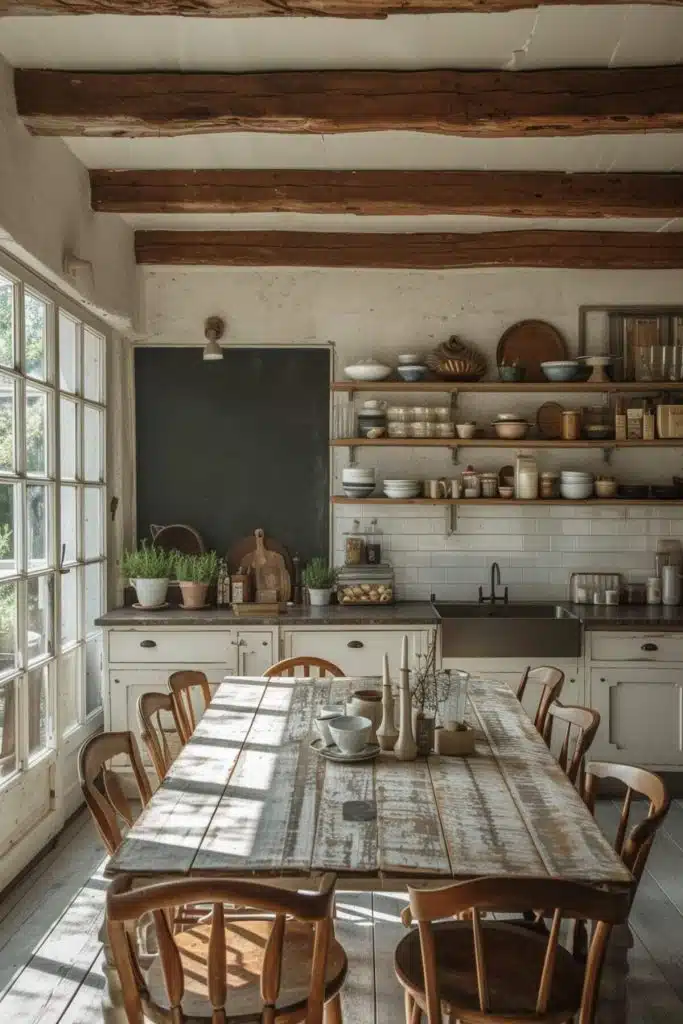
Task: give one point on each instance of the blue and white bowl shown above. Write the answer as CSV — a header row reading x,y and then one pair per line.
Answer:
x,y
410,374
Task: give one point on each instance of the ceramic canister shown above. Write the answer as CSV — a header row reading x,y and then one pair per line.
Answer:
x,y
367,703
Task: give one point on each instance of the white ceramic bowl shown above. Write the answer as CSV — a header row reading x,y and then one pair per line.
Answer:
x,y
409,359
350,732
465,430
511,430
577,491
502,417
367,369
355,475
575,476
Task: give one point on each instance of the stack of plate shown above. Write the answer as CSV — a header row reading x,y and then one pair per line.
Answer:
x,y
576,484
398,488
357,482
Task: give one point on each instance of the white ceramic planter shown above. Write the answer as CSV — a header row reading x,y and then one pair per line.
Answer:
x,y
320,597
151,593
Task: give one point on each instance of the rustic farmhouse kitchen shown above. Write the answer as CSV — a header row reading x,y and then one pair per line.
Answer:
x,y
341,512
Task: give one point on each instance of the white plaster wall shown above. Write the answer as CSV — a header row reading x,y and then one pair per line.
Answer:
x,y
383,313
45,208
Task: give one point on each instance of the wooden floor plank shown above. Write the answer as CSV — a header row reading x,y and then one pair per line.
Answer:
x,y
86,1006
673,825
353,928
44,895
654,919
45,988
387,933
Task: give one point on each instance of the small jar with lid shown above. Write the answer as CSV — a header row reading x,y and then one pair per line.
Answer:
x,y
654,590
354,545
571,425
549,485
471,483
489,485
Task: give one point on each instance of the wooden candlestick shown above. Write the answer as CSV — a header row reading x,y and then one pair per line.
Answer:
x,y
406,748
387,734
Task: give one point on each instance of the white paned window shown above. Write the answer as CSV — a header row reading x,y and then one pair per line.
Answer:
x,y
52,526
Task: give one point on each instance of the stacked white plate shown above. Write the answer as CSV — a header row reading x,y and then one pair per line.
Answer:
x,y
400,488
357,482
576,484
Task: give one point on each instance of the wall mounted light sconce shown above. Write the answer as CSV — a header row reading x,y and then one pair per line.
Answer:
x,y
214,329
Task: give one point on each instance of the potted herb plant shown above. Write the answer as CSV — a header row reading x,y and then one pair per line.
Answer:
x,y
149,570
319,578
195,573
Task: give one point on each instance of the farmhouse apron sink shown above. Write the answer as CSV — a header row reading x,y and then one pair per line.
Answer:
x,y
516,630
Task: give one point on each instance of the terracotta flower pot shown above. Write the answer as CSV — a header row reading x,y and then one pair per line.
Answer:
x,y
194,594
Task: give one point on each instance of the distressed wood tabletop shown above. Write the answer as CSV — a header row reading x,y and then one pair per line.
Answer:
x,y
248,796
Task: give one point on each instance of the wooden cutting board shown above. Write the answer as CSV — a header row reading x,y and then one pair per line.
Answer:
x,y
268,566
530,343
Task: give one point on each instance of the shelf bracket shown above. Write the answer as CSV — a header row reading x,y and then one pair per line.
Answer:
x,y
352,455
453,404
607,454
451,519
455,454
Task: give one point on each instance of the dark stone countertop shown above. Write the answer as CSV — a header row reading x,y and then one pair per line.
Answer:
x,y
630,616
404,613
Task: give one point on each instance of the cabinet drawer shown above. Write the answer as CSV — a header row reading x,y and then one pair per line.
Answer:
x,y
636,647
357,652
171,646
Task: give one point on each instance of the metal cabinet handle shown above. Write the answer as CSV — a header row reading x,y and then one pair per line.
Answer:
x,y
355,643
602,679
649,647
148,643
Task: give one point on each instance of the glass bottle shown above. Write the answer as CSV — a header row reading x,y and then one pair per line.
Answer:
x,y
373,544
354,545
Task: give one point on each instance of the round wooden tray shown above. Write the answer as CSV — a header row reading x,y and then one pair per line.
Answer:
x,y
530,343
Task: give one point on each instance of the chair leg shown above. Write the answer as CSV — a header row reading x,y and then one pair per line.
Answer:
x,y
413,1011
333,1011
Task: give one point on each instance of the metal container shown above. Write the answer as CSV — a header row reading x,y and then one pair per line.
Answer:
x,y
571,425
671,584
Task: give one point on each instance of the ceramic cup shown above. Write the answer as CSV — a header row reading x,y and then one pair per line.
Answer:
x,y
367,703
434,489
323,727
351,733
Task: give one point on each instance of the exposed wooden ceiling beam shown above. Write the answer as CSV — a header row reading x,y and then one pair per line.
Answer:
x,y
594,250
280,8
486,193
487,103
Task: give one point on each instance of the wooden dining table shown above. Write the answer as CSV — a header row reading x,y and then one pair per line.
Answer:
x,y
249,796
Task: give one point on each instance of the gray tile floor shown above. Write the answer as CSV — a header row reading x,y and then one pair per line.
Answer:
x,y
49,950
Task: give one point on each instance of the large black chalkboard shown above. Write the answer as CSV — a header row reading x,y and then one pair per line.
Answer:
x,y
230,446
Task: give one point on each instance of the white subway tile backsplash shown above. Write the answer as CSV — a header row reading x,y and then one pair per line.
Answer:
x,y
537,547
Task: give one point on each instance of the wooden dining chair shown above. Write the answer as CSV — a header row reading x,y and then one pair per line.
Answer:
x,y
290,667
633,846
551,681
487,970
579,728
154,735
183,685
102,788
280,965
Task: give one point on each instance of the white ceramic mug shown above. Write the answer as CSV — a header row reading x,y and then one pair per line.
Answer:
x,y
367,704
434,488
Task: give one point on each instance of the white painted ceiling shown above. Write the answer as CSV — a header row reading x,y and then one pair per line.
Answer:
x,y
566,36
598,36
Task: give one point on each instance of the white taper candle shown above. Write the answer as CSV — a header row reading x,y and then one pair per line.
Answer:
x,y
404,652
385,670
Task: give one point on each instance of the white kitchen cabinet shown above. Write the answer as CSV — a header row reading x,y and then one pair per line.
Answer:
x,y
255,652
641,712
357,651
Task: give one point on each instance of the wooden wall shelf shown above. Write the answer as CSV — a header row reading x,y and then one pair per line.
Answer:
x,y
493,442
495,386
502,502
